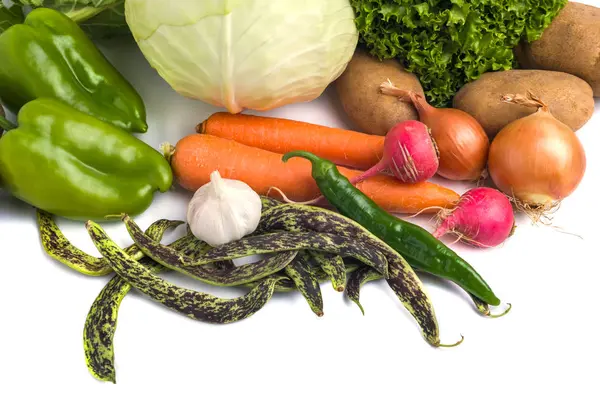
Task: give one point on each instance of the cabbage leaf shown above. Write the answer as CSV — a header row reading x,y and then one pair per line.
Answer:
x,y
448,43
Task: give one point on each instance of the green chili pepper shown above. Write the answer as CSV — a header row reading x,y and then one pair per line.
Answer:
x,y
418,246
73,165
306,282
50,56
356,280
195,305
255,245
333,266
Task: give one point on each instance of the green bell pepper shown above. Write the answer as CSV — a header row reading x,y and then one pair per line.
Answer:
x,y
49,55
73,165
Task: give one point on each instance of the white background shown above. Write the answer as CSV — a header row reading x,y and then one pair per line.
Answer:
x,y
546,347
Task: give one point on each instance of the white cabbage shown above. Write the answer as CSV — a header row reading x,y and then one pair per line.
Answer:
x,y
245,54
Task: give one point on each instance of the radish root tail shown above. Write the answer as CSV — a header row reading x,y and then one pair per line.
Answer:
x,y
561,230
425,210
465,239
288,200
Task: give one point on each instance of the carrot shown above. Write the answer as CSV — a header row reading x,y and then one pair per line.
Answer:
x,y
195,156
343,147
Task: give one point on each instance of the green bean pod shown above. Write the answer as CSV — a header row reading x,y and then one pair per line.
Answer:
x,y
193,304
287,285
401,277
61,249
232,275
299,271
101,322
99,329
355,282
418,246
192,247
255,245
333,266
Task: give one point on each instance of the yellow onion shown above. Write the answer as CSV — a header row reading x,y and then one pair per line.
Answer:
x,y
461,141
537,160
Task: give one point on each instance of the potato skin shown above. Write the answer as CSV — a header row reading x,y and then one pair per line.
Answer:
x,y
570,44
569,98
358,90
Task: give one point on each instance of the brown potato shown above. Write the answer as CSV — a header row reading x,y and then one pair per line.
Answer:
x,y
569,98
570,44
358,91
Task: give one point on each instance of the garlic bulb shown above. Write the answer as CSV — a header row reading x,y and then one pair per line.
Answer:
x,y
223,210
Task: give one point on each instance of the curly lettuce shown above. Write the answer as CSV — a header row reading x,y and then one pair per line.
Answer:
x,y
448,43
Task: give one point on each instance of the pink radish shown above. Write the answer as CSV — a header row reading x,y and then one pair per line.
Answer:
x,y
483,217
409,152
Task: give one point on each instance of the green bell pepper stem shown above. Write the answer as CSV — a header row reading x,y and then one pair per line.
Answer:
x,y
6,124
73,165
50,56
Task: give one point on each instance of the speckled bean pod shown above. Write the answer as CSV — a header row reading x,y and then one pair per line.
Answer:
x,y
58,247
401,277
101,322
333,266
356,280
305,280
255,245
195,305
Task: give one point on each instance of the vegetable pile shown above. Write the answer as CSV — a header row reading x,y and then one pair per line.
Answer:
x,y
312,203
303,245
449,43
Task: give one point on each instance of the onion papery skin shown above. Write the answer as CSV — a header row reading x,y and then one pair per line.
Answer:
x,y
462,143
537,160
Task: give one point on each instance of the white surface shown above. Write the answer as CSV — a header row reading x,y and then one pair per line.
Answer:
x,y
546,347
